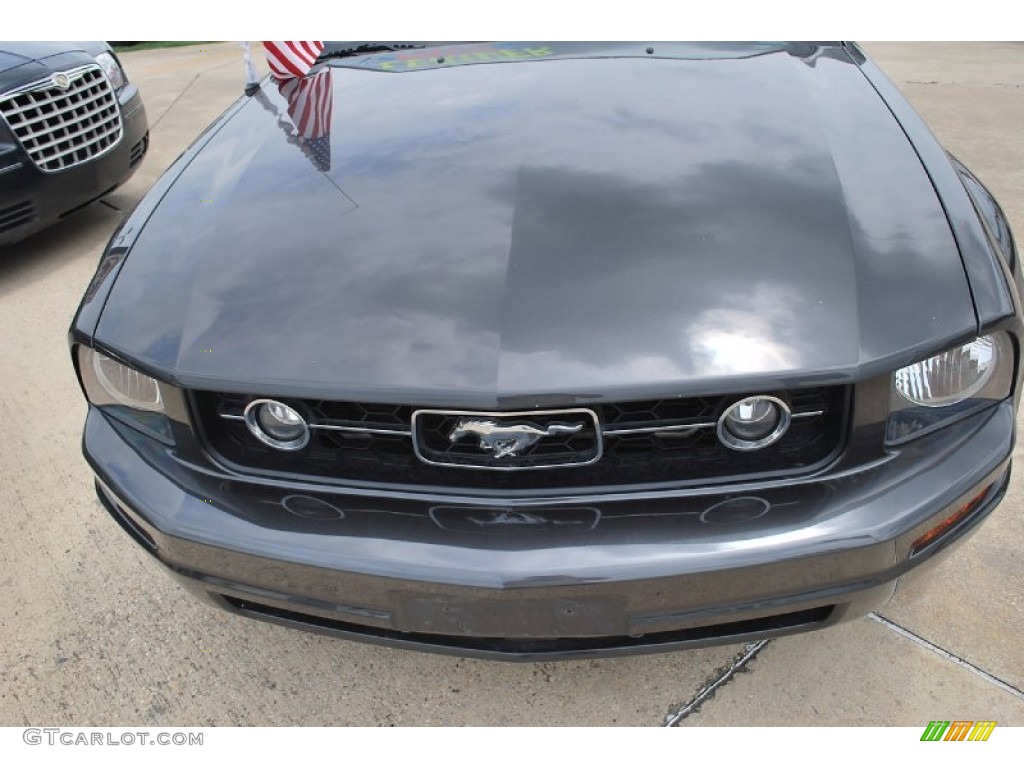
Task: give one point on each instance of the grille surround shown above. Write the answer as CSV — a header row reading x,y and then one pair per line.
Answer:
x,y
370,445
433,445
60,128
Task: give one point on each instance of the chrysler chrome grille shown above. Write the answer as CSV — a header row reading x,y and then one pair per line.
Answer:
x,y
62,127
667,441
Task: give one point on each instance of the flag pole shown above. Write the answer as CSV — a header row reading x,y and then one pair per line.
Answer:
x,y
252,80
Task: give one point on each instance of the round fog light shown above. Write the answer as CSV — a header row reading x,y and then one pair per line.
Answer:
x,y
277,425
753,423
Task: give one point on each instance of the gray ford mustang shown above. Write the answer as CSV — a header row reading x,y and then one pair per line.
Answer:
x,y
528,350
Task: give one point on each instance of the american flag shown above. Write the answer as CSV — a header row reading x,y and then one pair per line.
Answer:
x,y
291,58
310,105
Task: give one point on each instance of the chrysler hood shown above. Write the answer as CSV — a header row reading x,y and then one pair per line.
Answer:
x,y
543,230
45,56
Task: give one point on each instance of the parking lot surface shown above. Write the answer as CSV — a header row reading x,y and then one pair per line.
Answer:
x,y
93,632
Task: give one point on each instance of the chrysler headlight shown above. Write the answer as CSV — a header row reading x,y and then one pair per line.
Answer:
x,y
112,70
950,385
119,390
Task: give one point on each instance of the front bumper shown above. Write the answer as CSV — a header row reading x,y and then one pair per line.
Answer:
x,y
553,578
31,200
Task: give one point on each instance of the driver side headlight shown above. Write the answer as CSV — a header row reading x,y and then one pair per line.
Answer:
x,y
950,385
126,394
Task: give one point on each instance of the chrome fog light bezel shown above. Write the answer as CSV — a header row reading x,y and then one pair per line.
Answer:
x,y
730,440
252,421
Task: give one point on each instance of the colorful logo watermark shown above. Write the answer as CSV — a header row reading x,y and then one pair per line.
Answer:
x,y
958,730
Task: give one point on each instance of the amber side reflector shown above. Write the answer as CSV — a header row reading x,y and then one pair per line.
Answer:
x,y
930,536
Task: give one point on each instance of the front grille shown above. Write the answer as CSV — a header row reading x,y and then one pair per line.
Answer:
x,y
17,215
60,128
669,441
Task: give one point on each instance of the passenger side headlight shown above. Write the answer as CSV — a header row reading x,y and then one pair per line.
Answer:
x,y
123,392
950,385
112,70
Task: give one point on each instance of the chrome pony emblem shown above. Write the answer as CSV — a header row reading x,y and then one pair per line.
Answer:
x,y
61,80
507,440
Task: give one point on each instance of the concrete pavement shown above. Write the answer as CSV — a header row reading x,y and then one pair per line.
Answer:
x,y
93,632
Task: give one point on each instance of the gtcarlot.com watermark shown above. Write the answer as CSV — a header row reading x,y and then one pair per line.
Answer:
x,y
81,737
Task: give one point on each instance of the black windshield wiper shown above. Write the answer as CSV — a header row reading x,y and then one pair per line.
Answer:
x,y
363,48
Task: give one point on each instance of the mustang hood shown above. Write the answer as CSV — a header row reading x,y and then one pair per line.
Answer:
x,y
528,231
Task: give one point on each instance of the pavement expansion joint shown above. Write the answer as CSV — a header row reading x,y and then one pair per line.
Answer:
x,y
173,103
718,678
1010,689
943,82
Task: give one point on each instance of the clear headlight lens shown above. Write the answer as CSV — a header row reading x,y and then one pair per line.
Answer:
x,y
950,385
128,395
112,70
949,377
126,385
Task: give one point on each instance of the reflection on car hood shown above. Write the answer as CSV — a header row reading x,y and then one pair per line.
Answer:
x,y
492,235
9,59
17,54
